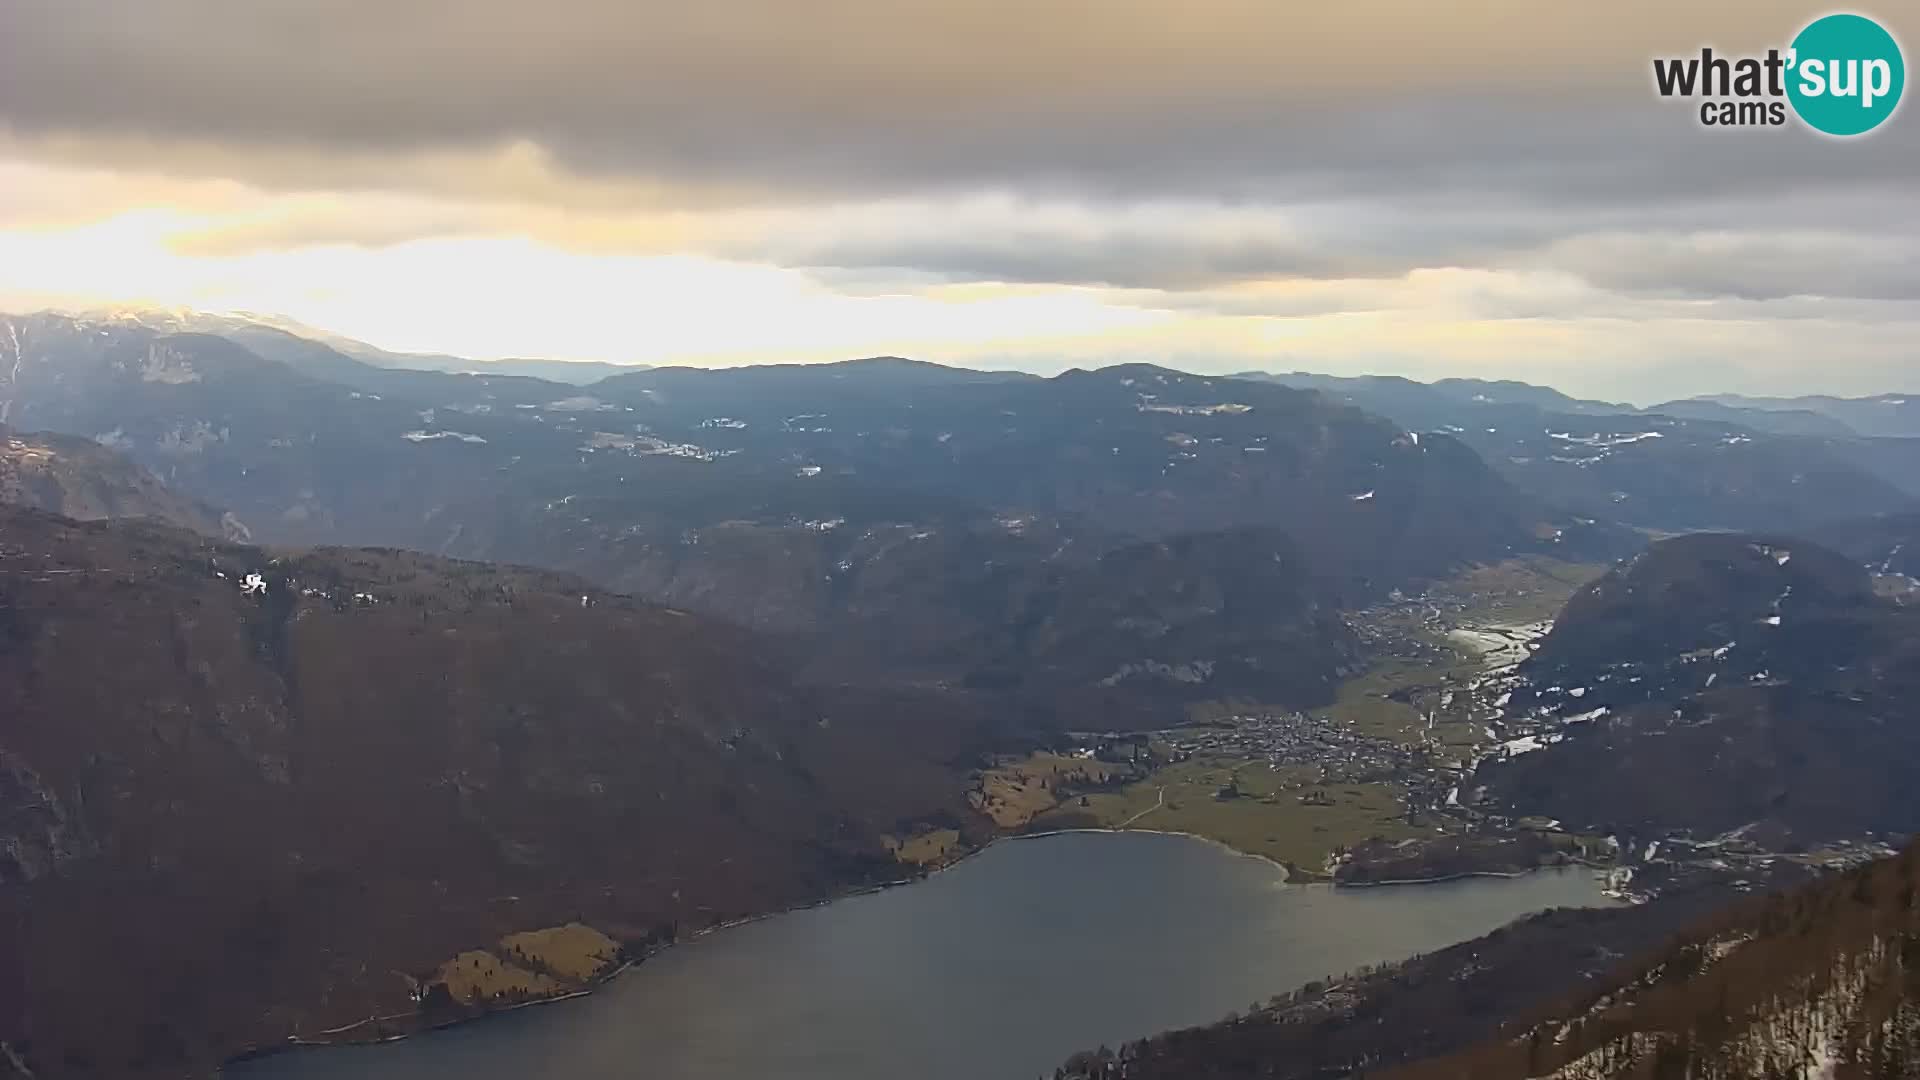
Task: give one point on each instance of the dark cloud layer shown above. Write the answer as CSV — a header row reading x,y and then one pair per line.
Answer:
x,y
1215,98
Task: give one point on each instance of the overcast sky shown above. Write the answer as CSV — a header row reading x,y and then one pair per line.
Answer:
x,y
1361,186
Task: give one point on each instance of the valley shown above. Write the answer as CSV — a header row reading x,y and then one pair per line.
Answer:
x,y
1383,762
958,540
645,658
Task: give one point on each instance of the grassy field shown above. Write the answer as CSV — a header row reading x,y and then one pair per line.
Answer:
x,y
477,977
1013,792
926,849
575,952
1363,704
1266,818
531,964
1515,591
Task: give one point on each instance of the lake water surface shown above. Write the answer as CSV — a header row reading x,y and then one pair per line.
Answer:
x,y
994,970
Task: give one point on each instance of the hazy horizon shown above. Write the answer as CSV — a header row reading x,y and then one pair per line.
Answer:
x,y
1495,193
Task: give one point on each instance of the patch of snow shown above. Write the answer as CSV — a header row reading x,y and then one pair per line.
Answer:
x,y
426,436
647,446
1604,440
1195,410
1886,567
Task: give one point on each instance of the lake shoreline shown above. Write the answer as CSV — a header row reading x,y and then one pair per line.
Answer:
x,y
295,1044
1290,871
1596,867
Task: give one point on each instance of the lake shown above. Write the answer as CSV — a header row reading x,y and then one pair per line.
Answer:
x,y
996,969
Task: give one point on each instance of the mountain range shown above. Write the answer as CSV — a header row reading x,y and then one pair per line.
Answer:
x,y
890,520
326,667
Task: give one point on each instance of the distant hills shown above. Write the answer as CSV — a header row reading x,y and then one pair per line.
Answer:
x,y
649,649
294,343
892,520
1696,464
1883,415
906,521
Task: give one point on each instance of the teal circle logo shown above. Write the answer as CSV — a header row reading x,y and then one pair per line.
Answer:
x,y
1845,74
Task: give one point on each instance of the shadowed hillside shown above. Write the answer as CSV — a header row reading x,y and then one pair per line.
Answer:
x,y
1721,682
80,479
246,794
1823,981
1815,981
